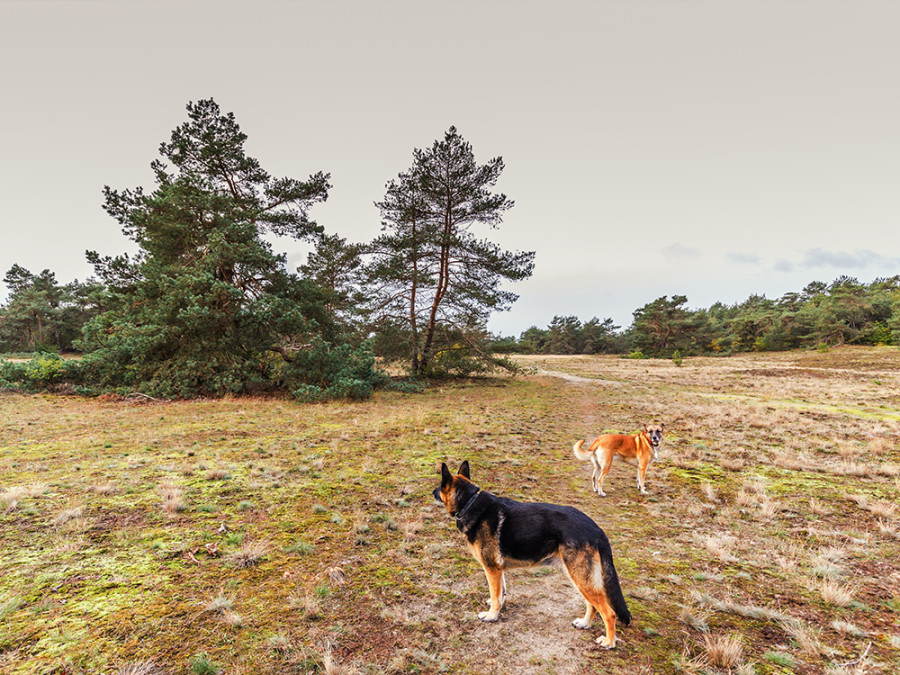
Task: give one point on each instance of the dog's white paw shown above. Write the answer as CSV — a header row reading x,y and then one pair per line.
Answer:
x,y
601,493
605,644
488,617
581,623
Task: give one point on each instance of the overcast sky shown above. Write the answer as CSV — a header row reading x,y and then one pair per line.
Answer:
x,y
709,149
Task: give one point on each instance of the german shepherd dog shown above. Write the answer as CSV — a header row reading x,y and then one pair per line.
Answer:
x,y
640,449
504,534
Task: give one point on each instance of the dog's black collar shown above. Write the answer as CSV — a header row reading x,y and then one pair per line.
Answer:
x,y
461,512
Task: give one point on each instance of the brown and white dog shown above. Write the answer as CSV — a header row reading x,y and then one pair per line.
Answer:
x,y
640,449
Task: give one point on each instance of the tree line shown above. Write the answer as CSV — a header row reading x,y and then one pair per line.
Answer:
x,y
845,311
206,307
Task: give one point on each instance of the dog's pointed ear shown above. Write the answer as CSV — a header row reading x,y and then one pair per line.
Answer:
x,y
662,426
446,476
464,469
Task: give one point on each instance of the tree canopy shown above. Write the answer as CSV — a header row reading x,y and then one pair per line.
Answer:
x,y
432,279
207,307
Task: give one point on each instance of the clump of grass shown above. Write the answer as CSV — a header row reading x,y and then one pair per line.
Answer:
x,y
330,666
249,554
749,611
862,501
302,547
104,489
732,464
232,619
889,469
217,474
848,628
852,469
806,639
234,538
780,659
836,593
880,446
200,664
336,576
641,593
410,528
244,506
724,651
886,510
309,605
818,507
719,546
747,499
172,500
387,521
220,603
67,515
319,508
280,644
825,563
787,556
887,528
768,507
690,617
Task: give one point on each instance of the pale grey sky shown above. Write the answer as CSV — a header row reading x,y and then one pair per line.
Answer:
x,y
709,149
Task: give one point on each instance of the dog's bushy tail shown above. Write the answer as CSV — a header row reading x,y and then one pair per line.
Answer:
x,y
583,455
611,585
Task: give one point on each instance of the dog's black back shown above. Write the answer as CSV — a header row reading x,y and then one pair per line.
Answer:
x,y
521,534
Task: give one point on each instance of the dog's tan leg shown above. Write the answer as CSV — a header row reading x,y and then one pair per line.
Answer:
x,y
642,472
607,464
502,591
609,618
495,583
595,474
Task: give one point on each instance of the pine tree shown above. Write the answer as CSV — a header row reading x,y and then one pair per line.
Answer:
x,y
433,281
207,307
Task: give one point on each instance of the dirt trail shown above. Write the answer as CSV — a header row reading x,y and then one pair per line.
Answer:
x,y
536,622
575,378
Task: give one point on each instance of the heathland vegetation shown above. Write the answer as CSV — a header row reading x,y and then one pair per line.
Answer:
x,y
207,308
221,531
251,535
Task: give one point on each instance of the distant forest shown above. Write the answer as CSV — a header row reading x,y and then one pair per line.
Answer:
x,y
842,312
42,315
207,308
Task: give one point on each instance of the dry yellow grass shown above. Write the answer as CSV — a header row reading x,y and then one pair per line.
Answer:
x,y
776,477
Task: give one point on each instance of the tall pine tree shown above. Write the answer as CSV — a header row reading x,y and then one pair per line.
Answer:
x,y
433,280
207,307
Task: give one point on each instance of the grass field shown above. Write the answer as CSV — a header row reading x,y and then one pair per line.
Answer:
x,y
262,536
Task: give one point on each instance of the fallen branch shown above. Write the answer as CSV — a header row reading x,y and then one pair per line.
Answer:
x,y
853,663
